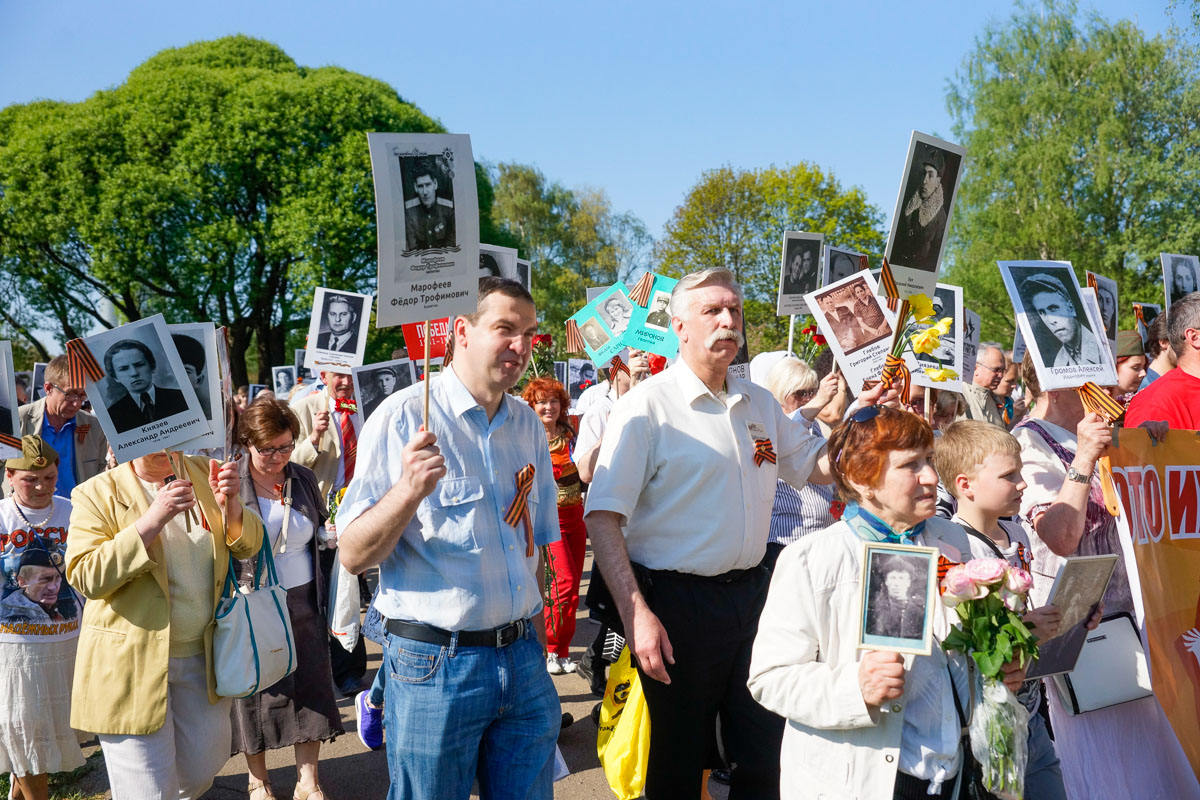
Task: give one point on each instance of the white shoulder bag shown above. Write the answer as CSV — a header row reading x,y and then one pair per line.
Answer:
x,y
253,646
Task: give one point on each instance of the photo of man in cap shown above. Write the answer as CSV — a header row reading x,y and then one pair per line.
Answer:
x,y
130,364
922,222
660,311
191,353
428,217
1060,326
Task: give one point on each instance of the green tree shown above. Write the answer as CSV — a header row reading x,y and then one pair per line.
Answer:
x,y
1083,145
736,218
220,182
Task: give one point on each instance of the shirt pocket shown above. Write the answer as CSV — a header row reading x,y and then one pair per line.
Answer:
x,y
453,506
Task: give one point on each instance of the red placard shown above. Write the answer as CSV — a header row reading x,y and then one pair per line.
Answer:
x,y
414,338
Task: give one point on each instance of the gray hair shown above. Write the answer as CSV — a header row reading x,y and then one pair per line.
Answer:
x,y
1182,315
985,346
790,375
713,276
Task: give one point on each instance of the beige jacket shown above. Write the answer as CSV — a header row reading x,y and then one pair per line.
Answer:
x,y
322,459
90,449
981,405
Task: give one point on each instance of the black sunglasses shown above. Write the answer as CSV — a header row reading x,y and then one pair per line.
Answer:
x,y
864,414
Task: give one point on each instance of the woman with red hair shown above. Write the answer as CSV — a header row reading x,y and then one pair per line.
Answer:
x,y
564,558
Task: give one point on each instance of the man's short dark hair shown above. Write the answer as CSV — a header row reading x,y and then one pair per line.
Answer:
x,y
22,380
1182,315
127,344
505,286
191,352
1155,333
424,167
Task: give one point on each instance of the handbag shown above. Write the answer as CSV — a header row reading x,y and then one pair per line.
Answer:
x,y
1111,668
344,604
253,645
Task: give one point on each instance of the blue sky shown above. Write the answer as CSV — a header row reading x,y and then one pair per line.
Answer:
x,y
635,98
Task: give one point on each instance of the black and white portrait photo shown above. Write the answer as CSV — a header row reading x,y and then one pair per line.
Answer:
x,y
898,585
854,315
616,310
1181,274
582,374
1145,314
428,202
594,334
525,273
303,374
8,392
254,390
841,263
1106,296
660,311
800,270
497,262
337,330
374,383
560,372
196,343
928,190
146,400
37,385
284,380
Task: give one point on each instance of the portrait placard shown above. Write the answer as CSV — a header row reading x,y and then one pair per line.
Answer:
x,y
374,383
37,384
427,212
603,322
254,391
414,338
841,263
1181,276
898,598
923,208
947,302
1061,331
799,271
650,326
581,376
1106,296
1092,302
740,366
145,401
197,346
525,273
284,380
1079,585
9,424
856,324
971,326
560,372
497,262
1145,314
337,330
1018,346
303,373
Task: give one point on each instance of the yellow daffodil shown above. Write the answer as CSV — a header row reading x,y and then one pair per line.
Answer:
x,y
925,341
943,325
922,307
941,374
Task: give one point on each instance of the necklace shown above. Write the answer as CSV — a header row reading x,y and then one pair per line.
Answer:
x,y
274,490
39,525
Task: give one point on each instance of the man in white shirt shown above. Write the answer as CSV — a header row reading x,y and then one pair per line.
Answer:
x,y
687,468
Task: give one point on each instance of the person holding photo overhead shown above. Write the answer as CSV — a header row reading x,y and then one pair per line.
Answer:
x,y
131,364
341,323
1047,296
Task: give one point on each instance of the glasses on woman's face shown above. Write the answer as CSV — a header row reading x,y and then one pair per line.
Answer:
x,y
271,452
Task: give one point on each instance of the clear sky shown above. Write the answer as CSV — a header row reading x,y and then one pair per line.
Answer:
x,y
637,98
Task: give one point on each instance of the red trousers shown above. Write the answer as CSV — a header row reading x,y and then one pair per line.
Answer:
x,y
565,559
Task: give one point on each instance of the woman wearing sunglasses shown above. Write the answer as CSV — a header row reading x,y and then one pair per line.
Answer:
x,y
300,711
861,723
39,626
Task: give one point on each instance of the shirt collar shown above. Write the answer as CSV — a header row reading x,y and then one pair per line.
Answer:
x,y
460,399
692,388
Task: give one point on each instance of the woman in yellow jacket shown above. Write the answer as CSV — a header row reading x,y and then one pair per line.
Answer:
x,y
150,554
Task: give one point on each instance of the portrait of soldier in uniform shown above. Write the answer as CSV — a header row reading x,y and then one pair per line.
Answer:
x,y
428,217
660,311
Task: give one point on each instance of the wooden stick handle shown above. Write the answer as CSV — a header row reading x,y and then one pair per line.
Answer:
x,y
428,346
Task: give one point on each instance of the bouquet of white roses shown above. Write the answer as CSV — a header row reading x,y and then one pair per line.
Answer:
x,y
990,596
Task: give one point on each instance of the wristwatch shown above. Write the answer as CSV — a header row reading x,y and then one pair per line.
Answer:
x,y
1077,476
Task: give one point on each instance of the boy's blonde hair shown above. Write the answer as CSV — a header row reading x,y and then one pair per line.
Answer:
x,y
965,445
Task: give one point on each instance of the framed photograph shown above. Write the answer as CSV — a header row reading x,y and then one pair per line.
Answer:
x,y
284,380
899,598
255,390
1061,331
1181,276
145,402
497,262
9,424
947,302
337,330
841,263
1144,314
37,385
1078,587
581,375
560,372
799,272
1106,296
525,273
427,213
857,325
922,216
374,383
303,373
971,326
197,346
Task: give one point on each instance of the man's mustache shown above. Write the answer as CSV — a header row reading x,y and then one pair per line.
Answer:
x,y
723,334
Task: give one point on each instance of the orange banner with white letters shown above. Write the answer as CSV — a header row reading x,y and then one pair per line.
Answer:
x,y
1158,487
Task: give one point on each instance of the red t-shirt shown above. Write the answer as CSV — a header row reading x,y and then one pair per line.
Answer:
x,y
1175,397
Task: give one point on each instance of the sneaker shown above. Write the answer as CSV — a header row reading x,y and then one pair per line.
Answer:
x,y
568,666
370,722
554,665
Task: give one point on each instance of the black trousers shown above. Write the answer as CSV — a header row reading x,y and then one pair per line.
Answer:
x,y
345,665
711,626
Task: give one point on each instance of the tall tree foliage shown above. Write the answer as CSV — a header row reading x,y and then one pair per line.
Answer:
x,y
735,219
1083,142
220,182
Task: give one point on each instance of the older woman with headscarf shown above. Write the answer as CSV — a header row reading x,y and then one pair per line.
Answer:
x,y
861,723
149,548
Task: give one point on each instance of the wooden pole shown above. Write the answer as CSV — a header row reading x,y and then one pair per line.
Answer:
x,y
791,334
428,346
928,406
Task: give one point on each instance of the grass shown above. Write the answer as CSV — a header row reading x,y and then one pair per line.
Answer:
x,y
63,784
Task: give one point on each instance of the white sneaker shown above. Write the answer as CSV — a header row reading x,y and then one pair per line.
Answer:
x,y
555,667
568,666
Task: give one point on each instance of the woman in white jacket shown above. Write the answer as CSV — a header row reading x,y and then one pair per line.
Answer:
x,y
863,724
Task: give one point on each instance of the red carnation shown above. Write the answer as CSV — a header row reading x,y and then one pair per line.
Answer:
x,y
818,339
543,339
808,329
657,363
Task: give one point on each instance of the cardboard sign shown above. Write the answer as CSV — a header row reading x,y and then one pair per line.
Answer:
x,y
337,330
947,302
414,339
604,322
971,326
799,271
1106,296
374,383
197,346
841,263
856,324
1145,314
427,213
1181,276
650,326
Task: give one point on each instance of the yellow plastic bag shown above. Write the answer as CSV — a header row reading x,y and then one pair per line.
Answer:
x,y
623,742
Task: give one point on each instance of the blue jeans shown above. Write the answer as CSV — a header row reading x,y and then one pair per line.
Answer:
x,y
1043,773
457,713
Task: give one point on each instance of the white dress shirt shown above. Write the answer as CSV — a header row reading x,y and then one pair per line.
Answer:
x,y
593,422
677,463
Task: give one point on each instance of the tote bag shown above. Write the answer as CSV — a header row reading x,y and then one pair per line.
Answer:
x,y
253,646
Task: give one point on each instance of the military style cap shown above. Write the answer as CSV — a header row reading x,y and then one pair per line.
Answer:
x,y
35,454
1044,283
1129,344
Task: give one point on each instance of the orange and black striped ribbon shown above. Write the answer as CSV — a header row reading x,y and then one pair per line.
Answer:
x,y
1140,314
944,566
1092,283
81,364
764,451
641,292
574,341
888,282
81,432
617,366
10,441
518,509
896,375
1098,401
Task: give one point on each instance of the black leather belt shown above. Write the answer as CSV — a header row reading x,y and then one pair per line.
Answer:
x,y
496,637
731,576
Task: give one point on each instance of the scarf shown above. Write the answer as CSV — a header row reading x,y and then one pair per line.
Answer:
x,y
929,207
872,529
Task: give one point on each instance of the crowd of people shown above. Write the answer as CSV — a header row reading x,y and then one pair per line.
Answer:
x,y
727,519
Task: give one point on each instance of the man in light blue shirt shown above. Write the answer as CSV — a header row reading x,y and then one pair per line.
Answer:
x,y
467,694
